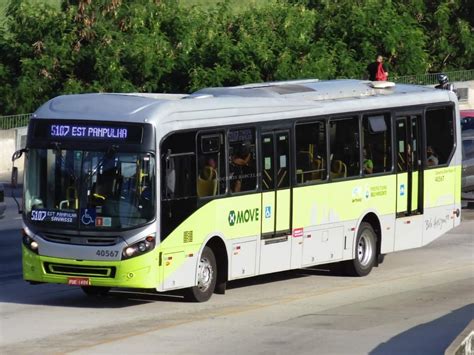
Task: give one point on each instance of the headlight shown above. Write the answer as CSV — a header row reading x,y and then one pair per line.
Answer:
x,y
29,242
139,248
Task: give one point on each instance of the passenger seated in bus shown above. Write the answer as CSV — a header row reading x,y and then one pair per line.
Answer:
x,y
431,157
208,172
368,163
207,179
240,169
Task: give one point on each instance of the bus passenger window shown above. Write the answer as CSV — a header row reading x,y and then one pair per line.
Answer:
x,y
344,138
439,136
210,177
180,170
242,163
310,152
376,148
178,161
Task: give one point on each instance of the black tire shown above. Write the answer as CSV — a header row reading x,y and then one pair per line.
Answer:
x,y
95,291
207,277
365,252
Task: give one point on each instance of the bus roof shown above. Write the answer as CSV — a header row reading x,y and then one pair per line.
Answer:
x,y
273,100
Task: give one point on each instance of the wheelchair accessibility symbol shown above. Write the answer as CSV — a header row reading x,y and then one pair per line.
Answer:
x,y
402,189
87,216
268,211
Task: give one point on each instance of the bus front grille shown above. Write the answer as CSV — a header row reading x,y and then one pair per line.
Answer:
x,y
79,270
80,240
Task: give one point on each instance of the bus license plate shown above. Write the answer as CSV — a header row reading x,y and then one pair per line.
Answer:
x,y
78,281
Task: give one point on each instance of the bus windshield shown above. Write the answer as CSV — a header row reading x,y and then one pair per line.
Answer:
x,y
87,190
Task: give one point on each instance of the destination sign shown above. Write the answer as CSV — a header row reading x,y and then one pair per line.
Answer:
x,y
41,132
91,132
43,215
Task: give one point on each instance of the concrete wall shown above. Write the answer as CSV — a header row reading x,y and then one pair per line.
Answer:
x,y
10,141
469,86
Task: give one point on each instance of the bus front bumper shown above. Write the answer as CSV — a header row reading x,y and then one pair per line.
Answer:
x,y
137,272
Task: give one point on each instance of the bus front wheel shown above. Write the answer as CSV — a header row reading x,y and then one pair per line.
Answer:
x,y
206,278
365,252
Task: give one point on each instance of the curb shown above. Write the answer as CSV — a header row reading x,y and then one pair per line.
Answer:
x,y
464,342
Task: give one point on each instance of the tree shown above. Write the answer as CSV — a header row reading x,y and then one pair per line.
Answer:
x,y
163,46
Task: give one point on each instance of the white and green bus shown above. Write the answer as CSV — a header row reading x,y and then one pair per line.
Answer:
x,y
166,192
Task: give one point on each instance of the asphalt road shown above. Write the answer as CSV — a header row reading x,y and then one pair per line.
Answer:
x,y
415,303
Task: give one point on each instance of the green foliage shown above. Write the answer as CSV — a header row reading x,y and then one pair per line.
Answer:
x,y
163,46
452,39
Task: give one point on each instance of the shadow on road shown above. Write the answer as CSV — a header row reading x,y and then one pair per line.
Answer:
x,y
73,297
69,296
320,270
428,338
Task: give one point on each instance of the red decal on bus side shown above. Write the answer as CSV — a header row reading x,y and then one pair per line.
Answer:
x,y
297,232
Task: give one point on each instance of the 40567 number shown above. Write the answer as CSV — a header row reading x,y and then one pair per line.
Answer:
x,y
107,253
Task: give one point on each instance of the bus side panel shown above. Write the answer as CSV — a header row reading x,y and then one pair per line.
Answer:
x,y
243,261
388,233
402,192
408,231
323,244
439,201
275,254
181,276
320,210
233,218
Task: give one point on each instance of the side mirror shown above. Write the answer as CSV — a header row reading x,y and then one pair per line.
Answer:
x,y
18,154
14,180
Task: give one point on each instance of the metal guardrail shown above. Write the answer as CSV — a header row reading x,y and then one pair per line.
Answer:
x,y
432,78
14,121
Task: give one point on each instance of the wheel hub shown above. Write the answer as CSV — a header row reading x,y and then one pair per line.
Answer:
x,y
364,250
204,274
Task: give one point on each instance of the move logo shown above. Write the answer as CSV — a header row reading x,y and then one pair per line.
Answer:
x,y
245,216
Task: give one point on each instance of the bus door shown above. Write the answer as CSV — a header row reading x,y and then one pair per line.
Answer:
x,y
409,182
276,202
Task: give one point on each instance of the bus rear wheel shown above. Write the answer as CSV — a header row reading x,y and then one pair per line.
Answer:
x,y
206,278
365,252
95,291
